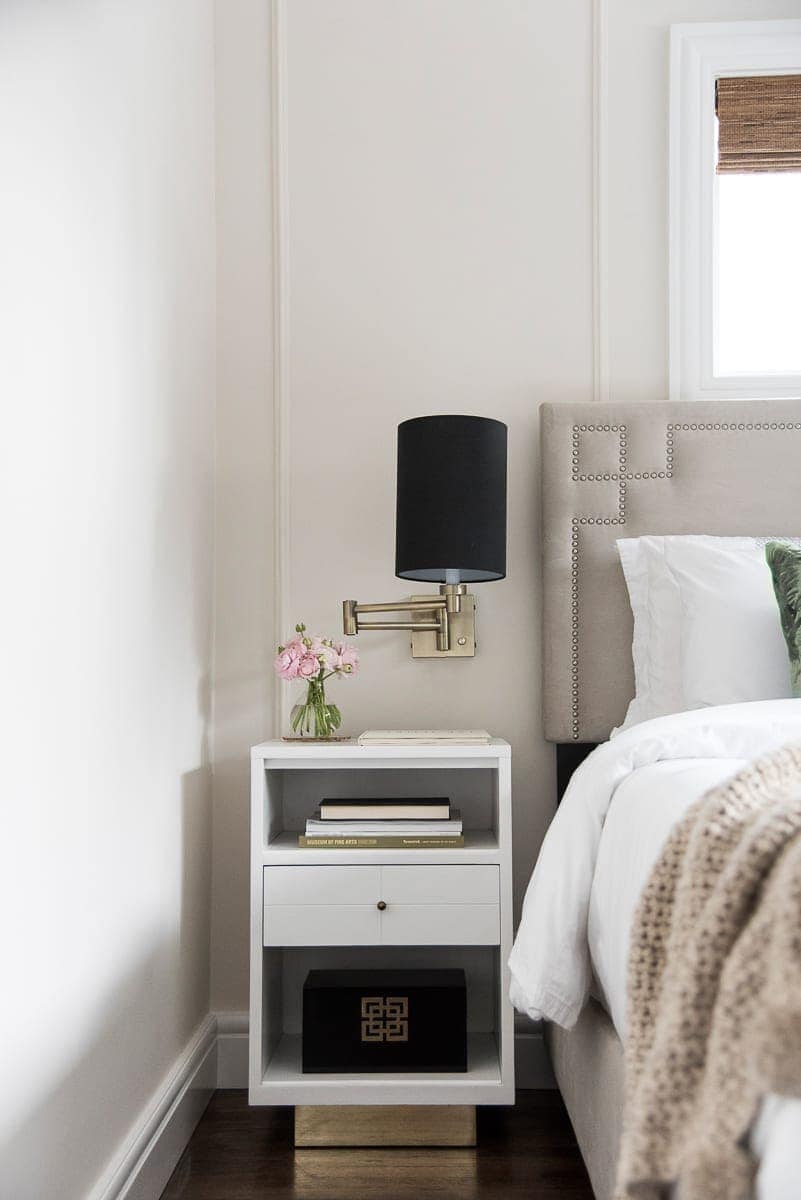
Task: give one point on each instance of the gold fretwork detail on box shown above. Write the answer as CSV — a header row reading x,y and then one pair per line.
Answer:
x,y
385,1018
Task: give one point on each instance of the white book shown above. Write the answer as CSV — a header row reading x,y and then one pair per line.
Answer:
x,y
424,737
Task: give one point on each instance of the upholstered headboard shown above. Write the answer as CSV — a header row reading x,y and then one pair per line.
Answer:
x,y
723,467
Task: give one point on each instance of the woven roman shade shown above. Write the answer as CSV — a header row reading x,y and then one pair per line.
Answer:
x,y
759,123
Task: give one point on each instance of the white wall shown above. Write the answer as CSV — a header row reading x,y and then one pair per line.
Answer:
x,y
106,460
244,581
431,267
439,255
440,260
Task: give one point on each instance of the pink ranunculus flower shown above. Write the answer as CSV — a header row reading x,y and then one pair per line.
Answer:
x,y
308,666
287,660
347,658
325,652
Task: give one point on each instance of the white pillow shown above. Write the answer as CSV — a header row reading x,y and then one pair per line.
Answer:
x,y
706,623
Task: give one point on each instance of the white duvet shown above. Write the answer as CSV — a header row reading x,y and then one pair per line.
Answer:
x,y
551,960
607,834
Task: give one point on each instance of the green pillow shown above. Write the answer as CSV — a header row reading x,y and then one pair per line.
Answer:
x,y
785,566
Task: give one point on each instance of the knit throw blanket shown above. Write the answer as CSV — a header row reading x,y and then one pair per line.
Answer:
x,y
714,988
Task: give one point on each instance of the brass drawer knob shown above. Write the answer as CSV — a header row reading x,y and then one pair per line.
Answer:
x,y
382,904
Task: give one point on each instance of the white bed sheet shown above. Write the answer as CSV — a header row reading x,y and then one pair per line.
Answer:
x,y
645,808
628,796
550,961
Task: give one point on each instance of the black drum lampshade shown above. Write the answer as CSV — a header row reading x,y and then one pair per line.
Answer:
x,y
451,514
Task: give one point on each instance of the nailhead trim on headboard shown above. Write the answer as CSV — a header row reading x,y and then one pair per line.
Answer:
x,y
623,476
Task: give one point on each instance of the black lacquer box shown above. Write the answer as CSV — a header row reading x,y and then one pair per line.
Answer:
x,y
384,1021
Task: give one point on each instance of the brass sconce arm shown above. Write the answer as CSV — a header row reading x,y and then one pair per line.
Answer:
x,y
438,610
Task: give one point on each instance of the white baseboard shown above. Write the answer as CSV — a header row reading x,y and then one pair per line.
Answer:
x,y
159,1137
217,1057
232,1050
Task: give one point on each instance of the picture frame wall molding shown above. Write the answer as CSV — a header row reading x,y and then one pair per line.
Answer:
x,y
281,348
600,199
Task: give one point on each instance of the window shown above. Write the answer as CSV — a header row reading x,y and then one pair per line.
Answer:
x,y
735,237
757,295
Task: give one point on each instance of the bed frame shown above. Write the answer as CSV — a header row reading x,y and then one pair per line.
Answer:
x,y
725,467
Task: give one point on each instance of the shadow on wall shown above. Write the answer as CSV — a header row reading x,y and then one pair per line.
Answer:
x,y
194,922
59,1149
231,912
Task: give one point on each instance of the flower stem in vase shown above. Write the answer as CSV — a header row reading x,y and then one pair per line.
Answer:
x,y
315,713
313,660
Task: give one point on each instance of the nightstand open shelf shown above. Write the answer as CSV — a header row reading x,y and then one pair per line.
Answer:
x,y
318,909
285,1083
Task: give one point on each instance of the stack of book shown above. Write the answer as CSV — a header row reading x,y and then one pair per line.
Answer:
x,y
402,824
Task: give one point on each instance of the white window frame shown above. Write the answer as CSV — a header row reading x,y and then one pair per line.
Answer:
x,y
699,54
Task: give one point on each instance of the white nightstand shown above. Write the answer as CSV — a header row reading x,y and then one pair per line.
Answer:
x,y
319,908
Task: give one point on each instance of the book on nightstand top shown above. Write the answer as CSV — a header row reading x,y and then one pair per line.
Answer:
x,y
424,737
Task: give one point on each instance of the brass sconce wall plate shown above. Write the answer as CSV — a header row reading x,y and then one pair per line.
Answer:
x,y
462,634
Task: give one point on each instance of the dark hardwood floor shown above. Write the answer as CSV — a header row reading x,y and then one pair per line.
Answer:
x,y
240,1153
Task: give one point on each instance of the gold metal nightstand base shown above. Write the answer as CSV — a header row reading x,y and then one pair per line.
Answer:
x,y
385,1125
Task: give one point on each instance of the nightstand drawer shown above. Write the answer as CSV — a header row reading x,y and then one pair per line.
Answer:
x,y
381,905
321,885
322,925
447,884
321,906
440,905
440,925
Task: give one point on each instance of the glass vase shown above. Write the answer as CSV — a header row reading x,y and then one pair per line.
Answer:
x,y
315,717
